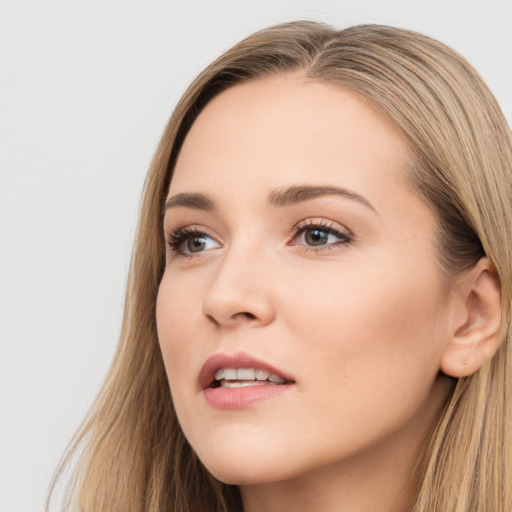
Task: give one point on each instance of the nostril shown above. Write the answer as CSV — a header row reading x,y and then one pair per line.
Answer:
x,y
212,319
247,315
241,315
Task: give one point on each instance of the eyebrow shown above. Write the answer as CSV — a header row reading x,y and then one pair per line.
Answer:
x,y
278,198
187,200
298,193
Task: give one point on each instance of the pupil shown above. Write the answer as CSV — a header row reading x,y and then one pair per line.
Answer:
x,y
196,244
316,237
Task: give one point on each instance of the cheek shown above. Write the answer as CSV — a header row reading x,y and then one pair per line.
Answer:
x,y
369,358
176,318
175,312
381,329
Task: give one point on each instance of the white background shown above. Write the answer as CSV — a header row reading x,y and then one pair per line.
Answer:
x,y
85,91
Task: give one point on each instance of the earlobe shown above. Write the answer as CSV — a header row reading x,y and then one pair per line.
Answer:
x,y
475,334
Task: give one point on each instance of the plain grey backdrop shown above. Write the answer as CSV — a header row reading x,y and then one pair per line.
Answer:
x,y
85,90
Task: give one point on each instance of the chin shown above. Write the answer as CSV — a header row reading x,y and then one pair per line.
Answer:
x,y
232,475
237,461
244,473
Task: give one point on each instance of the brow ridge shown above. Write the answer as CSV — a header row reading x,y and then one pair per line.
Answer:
x,y
278,198
189,200
299,193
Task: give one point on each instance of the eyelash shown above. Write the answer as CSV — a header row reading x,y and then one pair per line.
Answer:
x,y
176,238
345,236
179,236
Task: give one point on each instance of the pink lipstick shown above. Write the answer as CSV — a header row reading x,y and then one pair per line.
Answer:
x,y
239,380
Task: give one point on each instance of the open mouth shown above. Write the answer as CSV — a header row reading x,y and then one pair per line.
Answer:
x,y
243,377
237,381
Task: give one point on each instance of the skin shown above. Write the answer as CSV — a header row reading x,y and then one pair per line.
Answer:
x,y
362,326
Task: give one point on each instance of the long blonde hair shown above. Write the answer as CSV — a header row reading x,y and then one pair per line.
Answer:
x,y
132,455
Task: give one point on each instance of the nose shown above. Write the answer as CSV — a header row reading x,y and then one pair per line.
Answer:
x,y
240,292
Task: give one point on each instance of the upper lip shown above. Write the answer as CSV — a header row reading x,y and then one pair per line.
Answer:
x,y
235,361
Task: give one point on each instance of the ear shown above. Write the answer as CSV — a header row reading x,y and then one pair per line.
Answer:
x,y
474,336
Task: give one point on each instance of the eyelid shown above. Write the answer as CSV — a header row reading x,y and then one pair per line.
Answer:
x,y
175,238
344,234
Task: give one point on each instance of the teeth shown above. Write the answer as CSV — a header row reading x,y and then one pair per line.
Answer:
x,y
238,384
275,379
262,374
246,374
229,374
252,376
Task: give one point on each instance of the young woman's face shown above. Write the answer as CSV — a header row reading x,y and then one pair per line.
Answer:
x,y
299,255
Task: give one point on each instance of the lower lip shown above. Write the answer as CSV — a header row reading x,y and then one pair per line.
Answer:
x,y
239,398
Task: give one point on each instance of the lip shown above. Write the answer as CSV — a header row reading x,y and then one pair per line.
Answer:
x,y
235,361
237,398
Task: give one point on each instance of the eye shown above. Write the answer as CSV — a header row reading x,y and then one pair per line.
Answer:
x,y
319,235
190,241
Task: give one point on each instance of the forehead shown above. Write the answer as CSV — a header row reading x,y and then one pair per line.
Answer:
x,y
286,129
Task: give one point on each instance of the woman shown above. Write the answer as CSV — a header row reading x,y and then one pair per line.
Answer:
x,y
324,237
